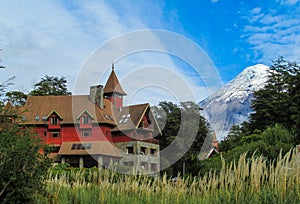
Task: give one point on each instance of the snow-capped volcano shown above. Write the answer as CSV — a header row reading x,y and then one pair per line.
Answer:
x,y
232,104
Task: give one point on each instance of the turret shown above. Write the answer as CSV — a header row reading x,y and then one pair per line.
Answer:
x,y
113,90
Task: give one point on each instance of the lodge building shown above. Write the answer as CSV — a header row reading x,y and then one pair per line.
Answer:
x,y
96,130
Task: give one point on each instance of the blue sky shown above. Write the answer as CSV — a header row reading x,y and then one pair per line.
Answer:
x,y
57,37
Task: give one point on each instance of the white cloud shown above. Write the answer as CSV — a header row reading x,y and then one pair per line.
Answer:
x,y
272,34
288,2
46,37
256,10
41,38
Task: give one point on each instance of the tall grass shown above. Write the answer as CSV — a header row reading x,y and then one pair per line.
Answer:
x,y
247,181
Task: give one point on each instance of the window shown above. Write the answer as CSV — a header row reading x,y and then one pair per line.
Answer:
x,y
54,121
85,120
86,133
143,150
153,152
129,150
106,117
144,166
45,133
129,163
153,167
124,118
87,146
81,146
54,134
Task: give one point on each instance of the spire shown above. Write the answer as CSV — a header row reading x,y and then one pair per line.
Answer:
x,y
215,141
112,85
113,66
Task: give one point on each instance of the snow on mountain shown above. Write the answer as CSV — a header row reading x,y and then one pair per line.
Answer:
x,y
231,105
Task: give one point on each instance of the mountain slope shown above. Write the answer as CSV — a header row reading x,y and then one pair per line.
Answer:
x,y
232,104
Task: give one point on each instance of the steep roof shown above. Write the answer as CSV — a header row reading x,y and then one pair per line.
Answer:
x,y
113,85
134,115
68,107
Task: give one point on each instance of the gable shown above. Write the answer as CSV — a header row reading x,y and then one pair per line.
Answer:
x,y
83,113
54,112
131,117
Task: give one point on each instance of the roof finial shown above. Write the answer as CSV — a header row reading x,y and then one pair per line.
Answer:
x,y
113,66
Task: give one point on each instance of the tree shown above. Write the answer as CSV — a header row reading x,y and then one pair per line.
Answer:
x,y
233,139
181,122
22,167
279,101
50,85
16,98
274,125
3,87
268,143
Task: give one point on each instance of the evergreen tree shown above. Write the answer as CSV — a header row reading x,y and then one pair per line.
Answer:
x,y
16,98
278,101
233,139
50,85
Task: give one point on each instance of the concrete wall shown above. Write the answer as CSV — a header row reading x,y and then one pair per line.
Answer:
x,y
142,163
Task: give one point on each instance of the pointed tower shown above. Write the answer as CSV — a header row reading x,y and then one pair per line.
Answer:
x,y
215,141
113,90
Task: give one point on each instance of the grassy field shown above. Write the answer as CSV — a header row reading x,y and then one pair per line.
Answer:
x,y
247,181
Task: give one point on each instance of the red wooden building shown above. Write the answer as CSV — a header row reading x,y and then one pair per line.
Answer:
x,y
96,129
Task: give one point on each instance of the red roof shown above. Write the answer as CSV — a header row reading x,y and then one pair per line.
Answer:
x,y
112,85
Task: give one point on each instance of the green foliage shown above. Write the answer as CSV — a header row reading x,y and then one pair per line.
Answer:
x,y
233,139
269,144
22,167
184,123
279,101
16,98
274,126
50,85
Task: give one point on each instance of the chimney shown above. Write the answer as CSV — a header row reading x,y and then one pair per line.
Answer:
x,y
96,95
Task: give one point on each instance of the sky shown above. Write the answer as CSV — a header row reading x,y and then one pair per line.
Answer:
x,y
71,38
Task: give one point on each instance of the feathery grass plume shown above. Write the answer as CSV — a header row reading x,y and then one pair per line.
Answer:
x,y
252,180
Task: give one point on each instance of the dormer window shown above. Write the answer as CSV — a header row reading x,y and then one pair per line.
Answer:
x,y
85,119
54,121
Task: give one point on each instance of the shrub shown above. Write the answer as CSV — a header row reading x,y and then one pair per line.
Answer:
x,y
22,166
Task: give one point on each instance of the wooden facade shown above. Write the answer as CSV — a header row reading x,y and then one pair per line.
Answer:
x,y
96,129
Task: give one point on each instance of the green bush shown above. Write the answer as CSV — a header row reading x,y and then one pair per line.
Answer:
x,y
22,167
